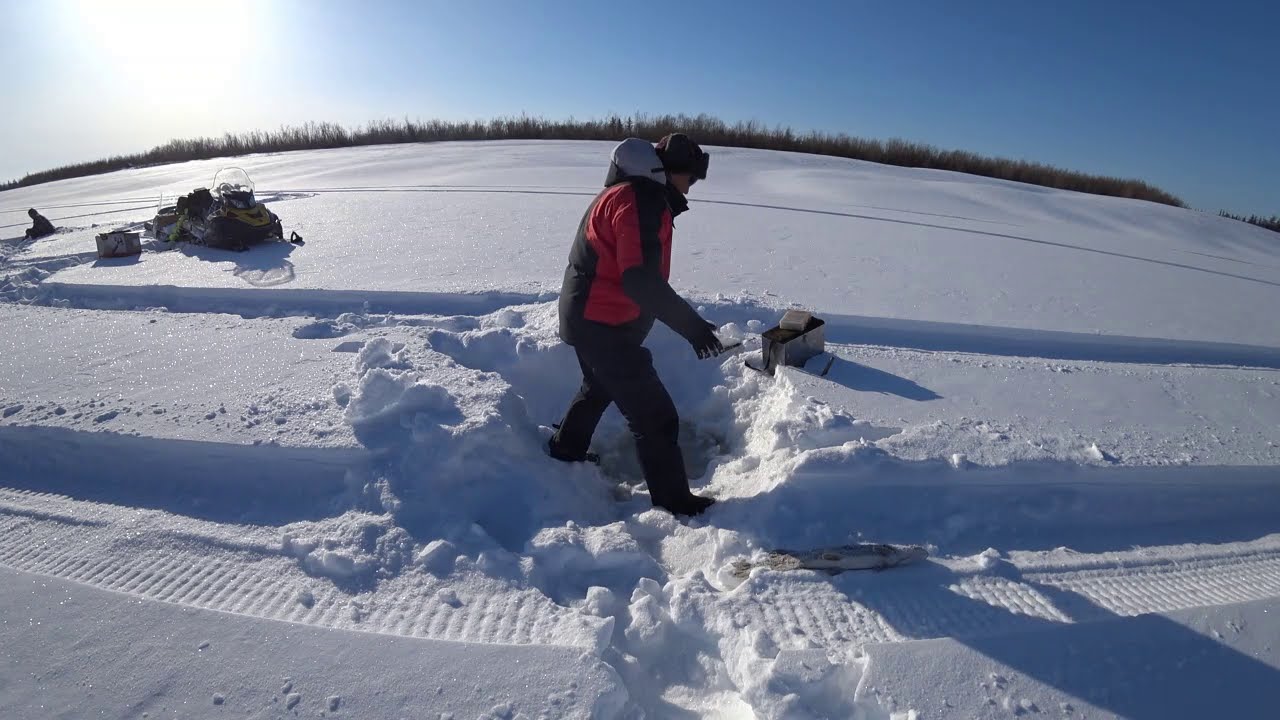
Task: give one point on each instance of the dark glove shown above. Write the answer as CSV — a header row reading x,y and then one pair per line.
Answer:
x,y
704,341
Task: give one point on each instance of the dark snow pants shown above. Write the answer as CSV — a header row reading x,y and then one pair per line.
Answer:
x,y
615,371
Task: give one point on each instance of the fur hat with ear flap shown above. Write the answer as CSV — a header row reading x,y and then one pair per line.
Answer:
x,y
681,155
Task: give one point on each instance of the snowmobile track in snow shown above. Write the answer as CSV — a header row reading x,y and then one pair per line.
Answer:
x,y
281,300
933,602
141,553
56,536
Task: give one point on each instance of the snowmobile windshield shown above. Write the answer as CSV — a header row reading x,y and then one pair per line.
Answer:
x,y
233,187
232,180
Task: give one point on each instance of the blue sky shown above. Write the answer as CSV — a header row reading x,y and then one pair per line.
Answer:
x,y
1182,94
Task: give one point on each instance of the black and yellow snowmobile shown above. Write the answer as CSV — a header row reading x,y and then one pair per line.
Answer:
x,y
228,217
236,219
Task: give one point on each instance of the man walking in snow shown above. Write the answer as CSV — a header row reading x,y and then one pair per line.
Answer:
x,y
40,225
614,288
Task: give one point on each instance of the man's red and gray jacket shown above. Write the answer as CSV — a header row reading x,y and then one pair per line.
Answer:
x,y
620,262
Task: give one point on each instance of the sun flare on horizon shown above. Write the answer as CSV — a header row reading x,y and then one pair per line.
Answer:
x,y
154,43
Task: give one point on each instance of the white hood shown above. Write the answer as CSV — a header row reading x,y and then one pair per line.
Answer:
x,y
634,157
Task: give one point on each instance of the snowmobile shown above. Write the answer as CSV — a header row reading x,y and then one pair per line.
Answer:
x,y
229,217
237,220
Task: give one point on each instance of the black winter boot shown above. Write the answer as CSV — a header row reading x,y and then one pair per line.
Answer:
x,y
554,450
690,505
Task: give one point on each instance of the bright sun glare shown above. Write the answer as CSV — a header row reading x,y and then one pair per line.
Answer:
x,y
166,41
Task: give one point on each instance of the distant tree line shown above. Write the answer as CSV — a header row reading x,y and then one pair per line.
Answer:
x,y
1272,223
705,129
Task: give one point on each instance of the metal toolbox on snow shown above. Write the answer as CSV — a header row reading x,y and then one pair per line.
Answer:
x,y
797,339
119,244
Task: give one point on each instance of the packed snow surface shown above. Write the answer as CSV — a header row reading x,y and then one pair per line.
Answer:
x,y
311,479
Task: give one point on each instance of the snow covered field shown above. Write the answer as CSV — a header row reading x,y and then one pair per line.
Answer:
x,y
1074,401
